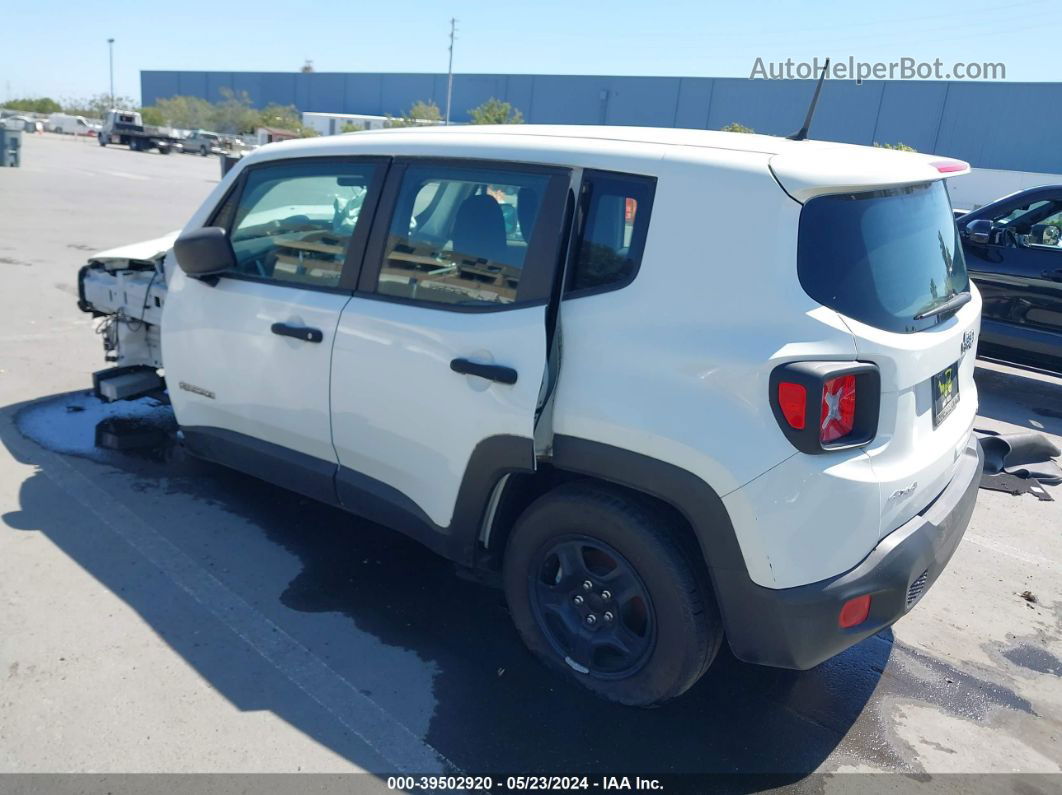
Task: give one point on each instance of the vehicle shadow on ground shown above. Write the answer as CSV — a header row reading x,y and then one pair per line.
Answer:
x,y
496,709
1032,400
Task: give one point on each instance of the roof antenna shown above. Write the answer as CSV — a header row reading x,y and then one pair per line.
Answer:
x,y
802,133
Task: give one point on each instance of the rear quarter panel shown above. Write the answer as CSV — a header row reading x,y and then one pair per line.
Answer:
x,y
675,366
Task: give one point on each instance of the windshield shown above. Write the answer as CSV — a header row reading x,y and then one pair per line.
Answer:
x,y
882,257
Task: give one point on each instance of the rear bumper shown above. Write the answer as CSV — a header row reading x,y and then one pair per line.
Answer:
x,y
798,628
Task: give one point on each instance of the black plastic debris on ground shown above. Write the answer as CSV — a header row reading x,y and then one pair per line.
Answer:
x,y
1013,484
1019,463
129,433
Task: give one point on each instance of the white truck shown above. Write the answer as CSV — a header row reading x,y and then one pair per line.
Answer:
x,y
202,142
657,434
126,127
66,124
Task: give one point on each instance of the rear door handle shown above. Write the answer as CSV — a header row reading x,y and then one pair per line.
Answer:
x,y
492,372
304,333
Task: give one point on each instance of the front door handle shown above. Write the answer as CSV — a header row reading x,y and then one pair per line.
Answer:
x,y
492,372
304,333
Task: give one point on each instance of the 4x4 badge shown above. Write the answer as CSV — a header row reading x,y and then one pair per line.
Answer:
x,y
967,342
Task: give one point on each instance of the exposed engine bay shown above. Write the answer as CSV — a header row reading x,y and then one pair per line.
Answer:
x,y
125,288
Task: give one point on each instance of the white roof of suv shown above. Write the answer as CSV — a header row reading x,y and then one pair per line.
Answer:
x,y
803,168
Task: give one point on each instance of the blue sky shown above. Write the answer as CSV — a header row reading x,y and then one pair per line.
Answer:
x,y
59,48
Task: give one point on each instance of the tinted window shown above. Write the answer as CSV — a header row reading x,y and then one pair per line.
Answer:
x,y
617,221
293,222
461,235
1037,224
882,257
1017,212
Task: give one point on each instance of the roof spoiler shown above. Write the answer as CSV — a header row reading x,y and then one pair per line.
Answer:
x,y
845,168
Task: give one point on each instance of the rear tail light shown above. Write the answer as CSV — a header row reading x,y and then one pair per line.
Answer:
x,y
838,408
793,401
950,166
823,406
854,612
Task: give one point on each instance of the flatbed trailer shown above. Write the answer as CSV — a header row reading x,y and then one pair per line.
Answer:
x,y
127,128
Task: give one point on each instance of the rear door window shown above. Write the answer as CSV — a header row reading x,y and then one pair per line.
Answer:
x,y
881,257
465,235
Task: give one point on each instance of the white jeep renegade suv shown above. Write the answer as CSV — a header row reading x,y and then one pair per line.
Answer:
x,y
673,385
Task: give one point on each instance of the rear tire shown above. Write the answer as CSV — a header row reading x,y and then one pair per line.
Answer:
x,y
645,629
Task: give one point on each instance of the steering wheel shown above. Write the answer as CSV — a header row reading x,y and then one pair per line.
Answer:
x,y
264,264
1010,238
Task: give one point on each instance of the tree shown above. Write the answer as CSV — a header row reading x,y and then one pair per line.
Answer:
x,y
420,112
153,116
349,127
285,117
424,111
234,114
900,146
187,113
735,126
96,107
494,111
34,105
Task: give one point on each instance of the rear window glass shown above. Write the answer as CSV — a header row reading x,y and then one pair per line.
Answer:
x,y
613,238
882,257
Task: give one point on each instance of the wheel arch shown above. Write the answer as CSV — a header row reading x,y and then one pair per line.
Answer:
x,y
693,503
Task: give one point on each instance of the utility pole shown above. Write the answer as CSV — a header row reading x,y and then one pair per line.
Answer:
x,y
110,57
450,70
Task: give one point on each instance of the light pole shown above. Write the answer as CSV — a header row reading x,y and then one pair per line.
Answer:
x,y
110,58
450,70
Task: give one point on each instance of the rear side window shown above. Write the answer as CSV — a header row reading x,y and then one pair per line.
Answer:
x,y
462,235
614,231
882,257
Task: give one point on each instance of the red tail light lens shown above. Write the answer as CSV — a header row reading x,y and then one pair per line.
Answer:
x,y
949,166
838,408
854,612
792,400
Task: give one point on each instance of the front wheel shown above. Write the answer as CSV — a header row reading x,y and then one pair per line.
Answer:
x,y
602,589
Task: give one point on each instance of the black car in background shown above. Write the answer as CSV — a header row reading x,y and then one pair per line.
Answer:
x,y
1014,256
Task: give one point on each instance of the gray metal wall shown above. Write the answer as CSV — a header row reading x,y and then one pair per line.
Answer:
x,y
992,125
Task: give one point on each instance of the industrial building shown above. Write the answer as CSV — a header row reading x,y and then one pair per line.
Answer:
x,y
1008,131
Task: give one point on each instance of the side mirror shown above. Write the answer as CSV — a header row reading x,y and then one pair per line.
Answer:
x,y
205,252
979,231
